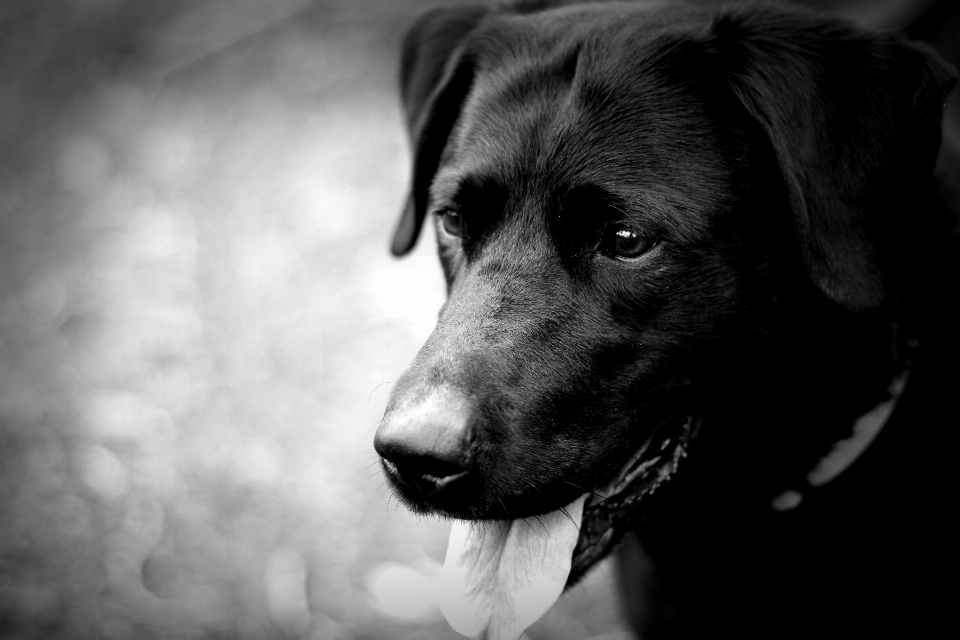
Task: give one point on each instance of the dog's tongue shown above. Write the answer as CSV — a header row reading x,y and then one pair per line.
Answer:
x,y
500,577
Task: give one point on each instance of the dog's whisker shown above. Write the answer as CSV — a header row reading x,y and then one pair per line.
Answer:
x,y
542,525
535,487
576,486
564,511
506,513
377,387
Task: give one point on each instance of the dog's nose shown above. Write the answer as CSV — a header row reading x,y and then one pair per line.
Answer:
x,y
425,443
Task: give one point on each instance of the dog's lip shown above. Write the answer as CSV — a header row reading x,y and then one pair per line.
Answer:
x,y
609,511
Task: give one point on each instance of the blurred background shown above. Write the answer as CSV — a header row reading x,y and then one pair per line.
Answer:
x,y
200,323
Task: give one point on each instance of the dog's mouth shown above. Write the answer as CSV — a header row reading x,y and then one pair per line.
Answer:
x,y
609,512
501,576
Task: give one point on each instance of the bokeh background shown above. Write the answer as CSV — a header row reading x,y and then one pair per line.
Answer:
x,y
200,323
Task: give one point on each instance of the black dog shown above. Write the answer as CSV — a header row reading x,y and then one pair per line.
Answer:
x,y
696,253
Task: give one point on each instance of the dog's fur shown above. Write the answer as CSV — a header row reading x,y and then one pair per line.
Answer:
x,y
781,162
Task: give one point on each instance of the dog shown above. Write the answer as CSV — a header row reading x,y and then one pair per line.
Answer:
x,y
699,317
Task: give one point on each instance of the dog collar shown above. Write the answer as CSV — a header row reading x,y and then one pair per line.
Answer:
x,y
845,452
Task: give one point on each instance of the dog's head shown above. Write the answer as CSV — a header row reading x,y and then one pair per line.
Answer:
x,y
632,205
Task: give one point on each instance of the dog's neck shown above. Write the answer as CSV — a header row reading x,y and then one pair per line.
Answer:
x,y
816,408
845,452
873,395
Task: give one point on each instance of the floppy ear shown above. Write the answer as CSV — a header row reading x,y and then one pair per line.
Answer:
x,y
854,121
435,76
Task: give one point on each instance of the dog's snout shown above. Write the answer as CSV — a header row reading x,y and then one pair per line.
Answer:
x,y
425,443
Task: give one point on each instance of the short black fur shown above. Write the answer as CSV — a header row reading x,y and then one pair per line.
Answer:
x,y
783,162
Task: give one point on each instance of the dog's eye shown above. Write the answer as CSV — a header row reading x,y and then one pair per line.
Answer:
x,y
623,242
451,221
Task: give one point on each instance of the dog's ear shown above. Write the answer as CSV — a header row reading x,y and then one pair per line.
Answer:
x,y
854,120
435,76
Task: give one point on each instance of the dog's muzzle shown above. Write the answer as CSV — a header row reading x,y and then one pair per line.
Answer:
x,y
425,444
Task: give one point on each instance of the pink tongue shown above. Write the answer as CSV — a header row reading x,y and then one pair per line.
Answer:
x,y
500,577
